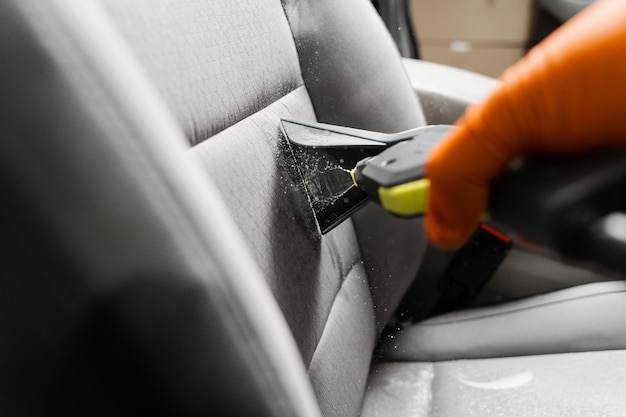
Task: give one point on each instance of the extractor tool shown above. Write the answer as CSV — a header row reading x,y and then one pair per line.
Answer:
x,y
575,204
342,168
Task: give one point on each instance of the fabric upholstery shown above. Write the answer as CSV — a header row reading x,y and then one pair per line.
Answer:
x,y
340,365
226,90
403,244
575,384
241,149
268,203
346,84
114,193
583,318
214,62
159,255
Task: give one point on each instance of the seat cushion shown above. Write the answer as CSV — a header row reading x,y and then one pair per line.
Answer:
x,y
584,318
574,385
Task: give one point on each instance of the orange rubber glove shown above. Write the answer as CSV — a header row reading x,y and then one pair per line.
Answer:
x,y
567,95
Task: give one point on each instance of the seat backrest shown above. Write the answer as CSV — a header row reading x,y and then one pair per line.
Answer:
x,y
128,268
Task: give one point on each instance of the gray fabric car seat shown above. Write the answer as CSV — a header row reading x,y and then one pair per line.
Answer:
x,y
158,255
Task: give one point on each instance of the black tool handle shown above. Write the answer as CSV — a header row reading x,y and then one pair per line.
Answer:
x,y
567,204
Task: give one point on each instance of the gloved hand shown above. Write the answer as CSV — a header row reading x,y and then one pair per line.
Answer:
x,y
567,95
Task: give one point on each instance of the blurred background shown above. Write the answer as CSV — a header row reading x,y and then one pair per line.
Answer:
x,y
485,36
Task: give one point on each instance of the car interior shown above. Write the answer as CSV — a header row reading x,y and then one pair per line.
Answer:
x,y
160,255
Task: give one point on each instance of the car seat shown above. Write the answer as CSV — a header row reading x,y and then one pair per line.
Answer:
x,y
159,255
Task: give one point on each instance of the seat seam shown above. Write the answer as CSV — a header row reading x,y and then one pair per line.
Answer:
x,y
332,305
244,118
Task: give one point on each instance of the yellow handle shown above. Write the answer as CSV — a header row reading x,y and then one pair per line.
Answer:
x,y
408,199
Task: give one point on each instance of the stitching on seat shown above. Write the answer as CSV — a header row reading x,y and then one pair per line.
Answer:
x,y
297,88
516,310
343,283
